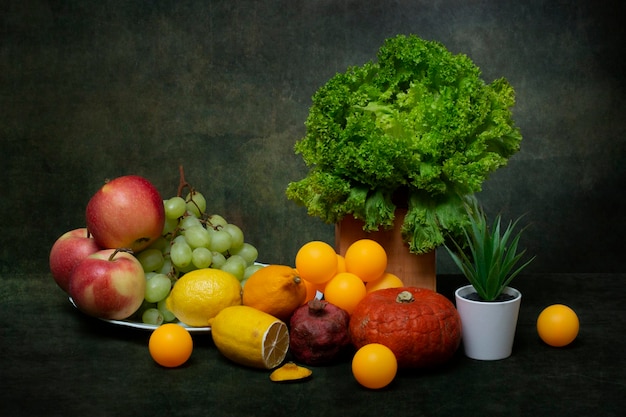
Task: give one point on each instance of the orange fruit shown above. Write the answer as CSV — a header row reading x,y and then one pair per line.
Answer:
x,y
311,290
374,366
558,325
316,262
341,263
388,280
170,345
367,259
250,337
276,289
345,290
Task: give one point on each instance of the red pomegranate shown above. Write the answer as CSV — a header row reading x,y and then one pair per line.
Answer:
x,y
318,332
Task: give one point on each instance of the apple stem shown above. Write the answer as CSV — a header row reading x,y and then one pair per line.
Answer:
x,y
127,250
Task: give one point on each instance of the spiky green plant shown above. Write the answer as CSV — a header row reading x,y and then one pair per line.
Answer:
x,y
488,262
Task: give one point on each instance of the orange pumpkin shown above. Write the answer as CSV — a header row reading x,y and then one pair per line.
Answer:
x,y
420,326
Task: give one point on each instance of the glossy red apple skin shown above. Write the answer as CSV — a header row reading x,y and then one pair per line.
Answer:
x,y
126,212
67,252
108,288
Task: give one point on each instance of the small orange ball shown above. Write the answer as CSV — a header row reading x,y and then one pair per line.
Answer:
x,y
316,262
388,280
341,263
311,290
558,325
374,366
170,345
367,259
345,290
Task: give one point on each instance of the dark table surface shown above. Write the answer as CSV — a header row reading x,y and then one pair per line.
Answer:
x,y
55,361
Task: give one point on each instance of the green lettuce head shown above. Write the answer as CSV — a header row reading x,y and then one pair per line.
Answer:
x,y
417,129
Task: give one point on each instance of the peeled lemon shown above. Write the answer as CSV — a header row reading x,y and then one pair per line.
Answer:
x,y
250,337
199,295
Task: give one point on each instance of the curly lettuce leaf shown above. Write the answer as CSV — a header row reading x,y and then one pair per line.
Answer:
x,y
430,222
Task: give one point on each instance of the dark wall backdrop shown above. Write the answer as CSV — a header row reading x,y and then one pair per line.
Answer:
x,y
97,89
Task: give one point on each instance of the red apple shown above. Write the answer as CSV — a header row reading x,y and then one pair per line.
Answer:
x,y
126,212
67,252
108,284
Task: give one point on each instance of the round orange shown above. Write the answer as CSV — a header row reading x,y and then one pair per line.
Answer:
x,y
345,290
341,263
276,290
374,366
311,290
558,325
367,259
388,280
316,262
170,345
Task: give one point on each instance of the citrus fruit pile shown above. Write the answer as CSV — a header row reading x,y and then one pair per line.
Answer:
x,y
248,329
344,280
248,319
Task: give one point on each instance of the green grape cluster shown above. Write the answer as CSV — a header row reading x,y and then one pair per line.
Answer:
x,y
191,240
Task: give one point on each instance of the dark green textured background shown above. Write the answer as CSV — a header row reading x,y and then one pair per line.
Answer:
x,y
97,89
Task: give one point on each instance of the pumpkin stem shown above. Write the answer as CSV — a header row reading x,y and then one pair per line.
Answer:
x,y
405,297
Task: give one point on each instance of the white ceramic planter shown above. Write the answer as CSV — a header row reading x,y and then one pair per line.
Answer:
x,y
488,327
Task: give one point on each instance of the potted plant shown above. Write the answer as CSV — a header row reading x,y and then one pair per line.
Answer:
x,y
404,143
488,306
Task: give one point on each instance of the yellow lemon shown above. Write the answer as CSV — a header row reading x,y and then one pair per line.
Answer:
x,y
250,337
199,295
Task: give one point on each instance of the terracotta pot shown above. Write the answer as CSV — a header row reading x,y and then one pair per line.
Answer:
x,y
414,270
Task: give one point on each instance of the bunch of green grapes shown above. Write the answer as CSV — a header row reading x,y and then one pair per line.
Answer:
x,y
191,240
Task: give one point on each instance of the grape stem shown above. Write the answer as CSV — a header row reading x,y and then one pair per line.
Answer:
x,y
182,183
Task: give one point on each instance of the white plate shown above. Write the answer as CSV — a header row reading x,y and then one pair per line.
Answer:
x,y
143,326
